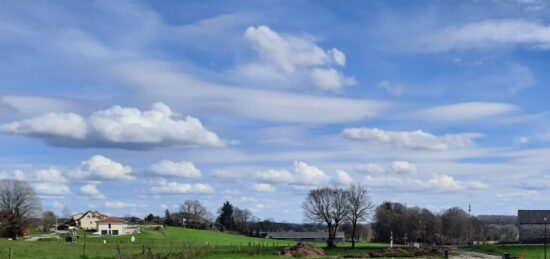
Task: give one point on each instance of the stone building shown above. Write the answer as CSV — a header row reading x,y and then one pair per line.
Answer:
x,y
531,226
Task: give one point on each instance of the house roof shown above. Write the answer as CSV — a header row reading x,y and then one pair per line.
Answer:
x,y
86,213
301,235
533,216
111,220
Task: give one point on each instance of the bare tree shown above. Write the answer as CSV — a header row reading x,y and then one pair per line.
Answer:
x,y
242,219
48,220
360,207
328,205
18,205
194,212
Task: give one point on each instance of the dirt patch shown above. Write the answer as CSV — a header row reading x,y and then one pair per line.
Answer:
x,y
302,250
402,252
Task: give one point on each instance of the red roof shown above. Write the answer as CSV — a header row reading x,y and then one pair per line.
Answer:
x,y
112,219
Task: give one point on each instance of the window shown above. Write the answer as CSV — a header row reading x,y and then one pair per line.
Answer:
x,y
109,225
114,232
103,232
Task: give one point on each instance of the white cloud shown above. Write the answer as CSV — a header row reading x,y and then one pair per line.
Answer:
x,y
165,187
51,188
50,175
417,139
101,167
310,174
119,127
264,187
402,167
392,87
303,174
464,112
343,178
284,56
68,125
178,169
119,205
522,140
17,175
488,34
330,79
91,190
276,176
437,183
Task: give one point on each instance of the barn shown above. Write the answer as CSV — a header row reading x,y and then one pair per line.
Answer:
x,y
532,224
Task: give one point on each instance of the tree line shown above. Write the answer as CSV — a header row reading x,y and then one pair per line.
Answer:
x,y
331,209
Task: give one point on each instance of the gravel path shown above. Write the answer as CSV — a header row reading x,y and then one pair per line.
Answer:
x,y
470,255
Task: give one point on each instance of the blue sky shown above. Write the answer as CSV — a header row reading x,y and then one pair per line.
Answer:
x,y
134,107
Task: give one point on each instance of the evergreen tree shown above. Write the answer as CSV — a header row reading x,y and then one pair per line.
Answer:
x,y
168,218
225,218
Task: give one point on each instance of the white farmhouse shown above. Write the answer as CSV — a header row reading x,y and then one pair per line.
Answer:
x,y
111,226
87,220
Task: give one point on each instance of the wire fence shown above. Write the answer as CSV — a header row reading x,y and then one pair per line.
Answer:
x,y
122,249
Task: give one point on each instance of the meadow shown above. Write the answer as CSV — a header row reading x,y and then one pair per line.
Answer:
x,y
172,242
525,251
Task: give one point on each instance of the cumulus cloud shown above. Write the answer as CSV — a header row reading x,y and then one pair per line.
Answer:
x,y
264,187
392,87
402,167
50,175
343,178
488,34
437,183
303,174
119,205
17,175
103,168
395,167
91,190
465,112
165,187
118,127
417,139
51,188
299,58
179,169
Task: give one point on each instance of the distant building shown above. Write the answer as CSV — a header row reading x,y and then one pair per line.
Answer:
x,y
531,226
87,220
110,226
304,236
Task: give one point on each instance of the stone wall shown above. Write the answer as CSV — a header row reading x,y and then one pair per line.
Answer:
x,y
533,233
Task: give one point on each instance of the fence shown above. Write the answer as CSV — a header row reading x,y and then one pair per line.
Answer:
x,y
122,249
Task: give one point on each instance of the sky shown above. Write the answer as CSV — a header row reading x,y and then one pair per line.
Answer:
x,y
132,107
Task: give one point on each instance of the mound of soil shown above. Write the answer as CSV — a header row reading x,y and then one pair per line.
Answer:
x,y
302,250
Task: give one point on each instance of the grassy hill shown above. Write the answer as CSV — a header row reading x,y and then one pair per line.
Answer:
x,y
172,242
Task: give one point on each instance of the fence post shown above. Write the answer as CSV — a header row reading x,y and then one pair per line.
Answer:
x,y
11,253
118,250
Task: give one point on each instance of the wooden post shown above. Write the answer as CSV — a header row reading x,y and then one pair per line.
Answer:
x,y
118,250
11,253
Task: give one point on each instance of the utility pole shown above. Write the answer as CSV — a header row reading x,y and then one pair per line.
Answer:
x,y
469,223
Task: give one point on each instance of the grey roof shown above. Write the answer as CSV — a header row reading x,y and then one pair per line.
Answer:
x,y
301,235
533,216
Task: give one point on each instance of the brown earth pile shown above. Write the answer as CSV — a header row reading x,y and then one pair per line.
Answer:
x,y
302,250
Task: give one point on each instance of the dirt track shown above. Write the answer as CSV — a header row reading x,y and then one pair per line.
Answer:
x,y
470,255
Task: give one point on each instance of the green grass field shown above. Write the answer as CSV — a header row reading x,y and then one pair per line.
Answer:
x,y
527,251
171,243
